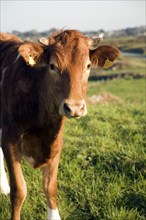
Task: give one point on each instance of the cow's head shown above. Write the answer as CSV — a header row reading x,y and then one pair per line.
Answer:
x,y
70,56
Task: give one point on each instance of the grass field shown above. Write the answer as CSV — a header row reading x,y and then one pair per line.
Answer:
x,y
102,172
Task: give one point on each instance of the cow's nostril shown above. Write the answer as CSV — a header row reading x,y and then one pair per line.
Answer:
x,y
82,107
67,110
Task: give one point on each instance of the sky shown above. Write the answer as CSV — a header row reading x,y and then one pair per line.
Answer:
x,y
20,15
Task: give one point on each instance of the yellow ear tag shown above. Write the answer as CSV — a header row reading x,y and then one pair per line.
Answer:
x,y
31,61
107,64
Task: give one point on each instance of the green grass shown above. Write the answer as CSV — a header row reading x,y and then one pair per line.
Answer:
x,y
130,90
102,172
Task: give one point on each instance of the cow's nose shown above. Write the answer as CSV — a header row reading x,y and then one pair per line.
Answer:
x,y
72,109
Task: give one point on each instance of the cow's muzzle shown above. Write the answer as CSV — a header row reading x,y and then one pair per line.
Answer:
x,y
72,108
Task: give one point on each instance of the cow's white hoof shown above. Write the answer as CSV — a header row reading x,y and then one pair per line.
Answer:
x,y
53,214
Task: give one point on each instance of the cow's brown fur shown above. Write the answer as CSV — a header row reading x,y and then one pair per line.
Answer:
x,y
35,99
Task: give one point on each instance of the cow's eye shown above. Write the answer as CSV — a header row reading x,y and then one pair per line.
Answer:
x,y
88,66
53,67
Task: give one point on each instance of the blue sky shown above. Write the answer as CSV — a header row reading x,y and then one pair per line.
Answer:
x,y
42,15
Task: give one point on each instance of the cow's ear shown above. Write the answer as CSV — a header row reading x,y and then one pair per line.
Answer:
x,y
31,53
103,56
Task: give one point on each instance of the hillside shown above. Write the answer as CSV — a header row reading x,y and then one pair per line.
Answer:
x,y
102,169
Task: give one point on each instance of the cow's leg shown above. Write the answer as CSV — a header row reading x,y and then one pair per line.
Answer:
x,y
50,187
4,185
17,183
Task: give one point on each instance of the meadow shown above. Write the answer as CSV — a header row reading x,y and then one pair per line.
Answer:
x,y
102,172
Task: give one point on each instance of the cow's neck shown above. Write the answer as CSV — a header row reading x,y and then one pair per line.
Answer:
x,y
46,140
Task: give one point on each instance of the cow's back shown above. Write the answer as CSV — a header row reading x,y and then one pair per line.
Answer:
x,y
8,50
8,53
9,37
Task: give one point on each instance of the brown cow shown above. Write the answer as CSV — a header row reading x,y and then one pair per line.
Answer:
x,y
42,84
